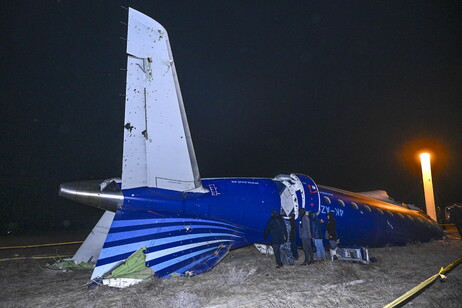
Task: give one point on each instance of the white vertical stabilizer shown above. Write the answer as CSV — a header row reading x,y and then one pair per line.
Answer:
x,y
158,149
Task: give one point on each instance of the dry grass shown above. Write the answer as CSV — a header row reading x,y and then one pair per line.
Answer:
x,y
246,278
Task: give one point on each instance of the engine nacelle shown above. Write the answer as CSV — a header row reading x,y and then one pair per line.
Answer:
x,y
101,194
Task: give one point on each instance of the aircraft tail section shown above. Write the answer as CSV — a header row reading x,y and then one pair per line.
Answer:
x,y
158,149
90,249
181,245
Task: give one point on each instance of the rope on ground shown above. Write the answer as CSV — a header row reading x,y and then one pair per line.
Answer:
x,y
36,257
403,299
43,245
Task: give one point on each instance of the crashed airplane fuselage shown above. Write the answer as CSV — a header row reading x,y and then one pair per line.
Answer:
x,y
187,224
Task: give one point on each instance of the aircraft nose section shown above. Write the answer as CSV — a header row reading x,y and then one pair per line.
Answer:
x,y
96,193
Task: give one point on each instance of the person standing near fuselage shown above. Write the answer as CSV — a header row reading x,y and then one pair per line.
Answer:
x,y
276,228
305,236
286,249
317,234
331,226
293,232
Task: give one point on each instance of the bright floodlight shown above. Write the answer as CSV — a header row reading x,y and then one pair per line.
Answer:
x,y
428,185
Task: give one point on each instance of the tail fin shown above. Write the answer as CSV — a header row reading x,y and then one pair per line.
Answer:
x,y
158,149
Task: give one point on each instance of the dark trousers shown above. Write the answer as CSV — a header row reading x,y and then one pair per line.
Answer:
x,y
308,249
293,247
277,253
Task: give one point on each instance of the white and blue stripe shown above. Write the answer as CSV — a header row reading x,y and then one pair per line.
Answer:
x,y
173,244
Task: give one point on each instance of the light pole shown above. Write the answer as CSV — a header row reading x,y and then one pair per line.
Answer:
x,y
428,185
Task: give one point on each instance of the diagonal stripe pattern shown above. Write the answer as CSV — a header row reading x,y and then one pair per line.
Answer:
x,y
173,245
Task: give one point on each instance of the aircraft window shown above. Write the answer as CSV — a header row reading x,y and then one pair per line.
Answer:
x,y
354,205
400,215
326,200
379,210
389,212
340,202
367,207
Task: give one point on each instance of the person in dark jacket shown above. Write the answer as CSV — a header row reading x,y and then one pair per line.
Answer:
x,y
305,235
276,228
331,226
317,235
293,231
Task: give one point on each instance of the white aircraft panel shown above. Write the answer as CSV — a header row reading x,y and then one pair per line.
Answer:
x,y
90,249
134,172
158,150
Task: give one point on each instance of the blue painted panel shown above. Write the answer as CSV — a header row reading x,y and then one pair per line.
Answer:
x,y
193,231
361,227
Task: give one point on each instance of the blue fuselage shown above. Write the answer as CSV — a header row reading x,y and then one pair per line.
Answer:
x,y
246,203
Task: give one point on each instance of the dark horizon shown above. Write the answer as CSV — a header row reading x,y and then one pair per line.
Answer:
x,y
346,93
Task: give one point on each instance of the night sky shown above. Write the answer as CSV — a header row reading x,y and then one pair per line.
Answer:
x,y
346,92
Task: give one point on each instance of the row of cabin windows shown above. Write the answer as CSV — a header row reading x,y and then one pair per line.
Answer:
x,y
353,204
368,208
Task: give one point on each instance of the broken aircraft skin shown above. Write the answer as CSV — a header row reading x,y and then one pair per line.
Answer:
x,y
186,224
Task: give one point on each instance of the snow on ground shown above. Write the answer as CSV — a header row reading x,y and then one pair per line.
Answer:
x,y
245,278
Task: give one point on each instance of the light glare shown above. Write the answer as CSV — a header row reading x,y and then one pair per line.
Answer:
x,y
428,185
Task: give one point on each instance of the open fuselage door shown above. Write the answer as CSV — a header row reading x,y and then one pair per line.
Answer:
x,y
294,195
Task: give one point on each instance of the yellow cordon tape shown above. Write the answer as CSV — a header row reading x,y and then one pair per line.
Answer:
x,y
403,298
42,245
38,257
